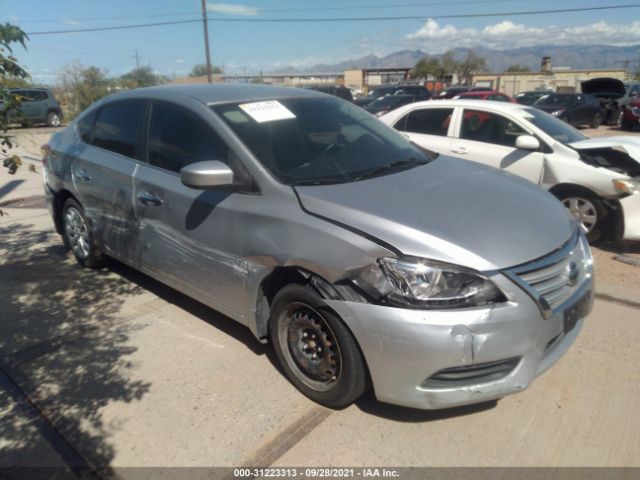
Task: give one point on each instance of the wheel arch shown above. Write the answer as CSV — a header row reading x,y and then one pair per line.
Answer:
x,y
59,200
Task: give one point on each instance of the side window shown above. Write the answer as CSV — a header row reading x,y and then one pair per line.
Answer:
x,y
489,127
178,138
85,126
118,127
430,121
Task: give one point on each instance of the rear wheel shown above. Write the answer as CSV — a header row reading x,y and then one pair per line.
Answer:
x,y
588,210
53,119
315,348
596,121
78,237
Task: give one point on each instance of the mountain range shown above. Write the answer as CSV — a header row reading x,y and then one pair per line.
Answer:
x,y
582,57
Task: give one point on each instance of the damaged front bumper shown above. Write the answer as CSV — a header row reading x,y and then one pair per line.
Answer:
x,y
438,359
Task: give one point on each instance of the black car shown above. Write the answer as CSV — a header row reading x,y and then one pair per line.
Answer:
x,y
530,97
609,92
417,91
574,108
335,90
38,105
390,102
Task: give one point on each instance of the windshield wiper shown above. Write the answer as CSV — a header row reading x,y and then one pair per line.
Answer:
x,y
407,162
318,181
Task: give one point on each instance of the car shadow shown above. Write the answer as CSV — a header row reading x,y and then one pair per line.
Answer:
x,y
369,404
627,246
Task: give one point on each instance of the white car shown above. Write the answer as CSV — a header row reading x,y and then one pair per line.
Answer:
x,y
597,179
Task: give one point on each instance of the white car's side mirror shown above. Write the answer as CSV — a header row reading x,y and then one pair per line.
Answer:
x,y
527,142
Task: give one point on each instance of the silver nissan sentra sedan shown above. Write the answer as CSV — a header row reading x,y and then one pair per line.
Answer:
x,y
367,261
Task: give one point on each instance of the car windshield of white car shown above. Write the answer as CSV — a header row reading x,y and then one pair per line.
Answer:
x,y
316,140
554,127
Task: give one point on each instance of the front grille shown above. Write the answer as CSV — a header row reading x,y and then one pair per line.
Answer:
x,y
471,374
553,279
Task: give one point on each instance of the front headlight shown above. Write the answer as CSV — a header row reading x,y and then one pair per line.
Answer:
x,y
419,282
557,113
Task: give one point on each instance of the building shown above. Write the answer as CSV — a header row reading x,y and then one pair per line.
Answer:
x,y
560,79
362,78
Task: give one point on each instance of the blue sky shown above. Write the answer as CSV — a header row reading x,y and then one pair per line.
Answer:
x,y
252,47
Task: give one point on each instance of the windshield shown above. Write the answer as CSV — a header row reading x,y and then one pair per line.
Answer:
x,y
555,99
388,101
381,92
554,127
318,140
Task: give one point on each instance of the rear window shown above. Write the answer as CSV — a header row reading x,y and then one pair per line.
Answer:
x,y
118,127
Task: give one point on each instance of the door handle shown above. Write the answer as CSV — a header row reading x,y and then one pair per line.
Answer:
x,y
459,150
149,199
83,175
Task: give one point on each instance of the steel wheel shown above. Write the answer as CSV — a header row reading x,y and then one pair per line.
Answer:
x,y
316,350
582,210
309,347
77,233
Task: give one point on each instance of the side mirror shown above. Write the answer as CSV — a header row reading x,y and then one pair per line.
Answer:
x,y
527,142
204,175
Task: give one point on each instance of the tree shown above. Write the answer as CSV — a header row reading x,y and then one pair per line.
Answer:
x,y
428,67
517,68
473,63
141,77
10,71
83,86
449,63
200,70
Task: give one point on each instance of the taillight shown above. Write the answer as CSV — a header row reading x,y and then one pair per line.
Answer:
x,y
45,150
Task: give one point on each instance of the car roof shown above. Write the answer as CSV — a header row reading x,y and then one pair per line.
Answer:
x,y
480,92
218,93
471,103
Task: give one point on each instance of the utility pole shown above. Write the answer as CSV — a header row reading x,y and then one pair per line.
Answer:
x,y
137,60
206,39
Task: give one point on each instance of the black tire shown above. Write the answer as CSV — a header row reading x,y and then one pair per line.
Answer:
x,y
596,121
596,231
82,246
301,325
53,119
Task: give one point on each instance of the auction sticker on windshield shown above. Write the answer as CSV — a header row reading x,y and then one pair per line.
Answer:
x,y
268,111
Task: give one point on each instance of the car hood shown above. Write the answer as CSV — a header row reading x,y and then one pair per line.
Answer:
x,y
603,85
448,210
551,108
629,144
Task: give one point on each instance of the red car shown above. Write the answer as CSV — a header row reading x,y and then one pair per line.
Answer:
x,y
486,95
630,115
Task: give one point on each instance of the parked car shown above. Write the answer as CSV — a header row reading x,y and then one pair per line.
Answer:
x,y
609,92
399,89
339,91
458,89
485,95
574,108
530,97
598,180
38,105
631,92
385,104
630,115
364,259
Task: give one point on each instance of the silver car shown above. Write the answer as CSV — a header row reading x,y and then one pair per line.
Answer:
x,y
367,261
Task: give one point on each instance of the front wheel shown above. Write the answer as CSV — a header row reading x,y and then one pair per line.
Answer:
x,y
588,210
315,348
596,121
78,237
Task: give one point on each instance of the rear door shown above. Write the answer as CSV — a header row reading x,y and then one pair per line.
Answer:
x,y
191,239
490,138
102,174
428,127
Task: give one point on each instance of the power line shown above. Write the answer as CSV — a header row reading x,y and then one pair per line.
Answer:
x,y
276,10
335,19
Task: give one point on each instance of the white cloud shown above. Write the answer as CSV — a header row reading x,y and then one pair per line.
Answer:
x,y
70,21
14,18
232,9
507,34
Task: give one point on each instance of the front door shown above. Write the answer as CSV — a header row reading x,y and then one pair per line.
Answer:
x,y
191,239
490,138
